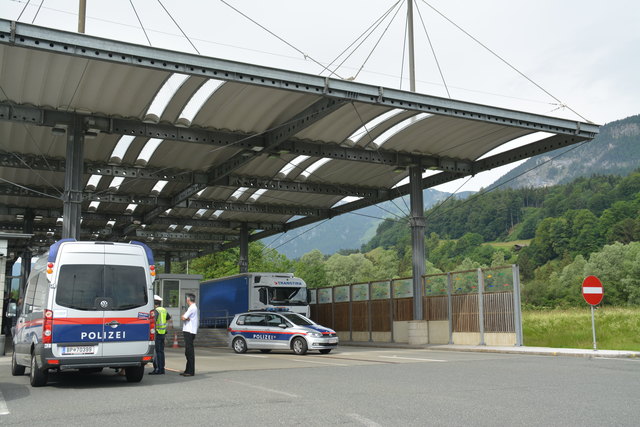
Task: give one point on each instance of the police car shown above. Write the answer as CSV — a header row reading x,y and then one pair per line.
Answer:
x,y
268,330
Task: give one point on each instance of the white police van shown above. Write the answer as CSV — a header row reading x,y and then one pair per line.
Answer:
x,y
87,306
279,330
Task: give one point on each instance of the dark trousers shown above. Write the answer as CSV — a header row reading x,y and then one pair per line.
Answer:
x,y
158,361
189,353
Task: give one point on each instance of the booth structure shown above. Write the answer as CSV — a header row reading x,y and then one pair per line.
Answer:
x,y
172,288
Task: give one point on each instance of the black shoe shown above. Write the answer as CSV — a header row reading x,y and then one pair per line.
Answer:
x,y
154,373
186,375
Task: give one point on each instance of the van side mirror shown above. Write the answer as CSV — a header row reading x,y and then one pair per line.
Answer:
x,y
12,309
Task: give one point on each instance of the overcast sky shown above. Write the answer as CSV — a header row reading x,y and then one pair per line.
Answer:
x,y
586,53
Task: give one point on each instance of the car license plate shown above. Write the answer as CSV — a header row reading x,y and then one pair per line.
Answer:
x,y
333,340
87,349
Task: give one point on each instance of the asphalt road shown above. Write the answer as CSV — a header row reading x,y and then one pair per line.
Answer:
x,y
352,386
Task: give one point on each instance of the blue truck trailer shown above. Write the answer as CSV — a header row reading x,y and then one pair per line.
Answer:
x,y
222,298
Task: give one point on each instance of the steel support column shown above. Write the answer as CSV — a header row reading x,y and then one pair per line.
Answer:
x,y
243,262
417,238
25,257
167,262
72,197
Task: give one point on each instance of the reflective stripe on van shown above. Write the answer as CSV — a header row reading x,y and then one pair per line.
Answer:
x,y
100,329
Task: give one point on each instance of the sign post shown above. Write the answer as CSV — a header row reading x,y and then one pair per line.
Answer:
x,y
592,291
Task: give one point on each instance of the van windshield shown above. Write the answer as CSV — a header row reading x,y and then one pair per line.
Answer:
x,y
80,286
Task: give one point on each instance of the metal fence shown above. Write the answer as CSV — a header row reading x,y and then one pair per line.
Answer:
x,y
481,301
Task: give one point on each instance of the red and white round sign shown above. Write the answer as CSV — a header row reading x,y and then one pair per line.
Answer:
x,y
592,290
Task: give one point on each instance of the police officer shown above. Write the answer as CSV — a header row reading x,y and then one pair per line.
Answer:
x,y
162,317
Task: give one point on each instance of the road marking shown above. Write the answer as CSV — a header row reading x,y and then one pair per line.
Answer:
x,y
363,420
3,405
319,363
412,358
253,355
270,390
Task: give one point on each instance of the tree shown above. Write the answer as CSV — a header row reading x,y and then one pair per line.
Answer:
x,y
311,268
354,268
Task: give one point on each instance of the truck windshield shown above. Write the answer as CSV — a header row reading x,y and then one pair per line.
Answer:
x,y
81,285
288,296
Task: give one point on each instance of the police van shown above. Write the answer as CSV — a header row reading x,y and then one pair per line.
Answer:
x,y
87,306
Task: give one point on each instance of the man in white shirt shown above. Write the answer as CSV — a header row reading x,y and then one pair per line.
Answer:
x,y
189,330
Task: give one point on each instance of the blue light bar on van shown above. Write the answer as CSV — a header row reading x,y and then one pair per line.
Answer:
x,y
53,250
147,250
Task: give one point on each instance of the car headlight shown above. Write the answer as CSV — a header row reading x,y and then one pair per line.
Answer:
x,y
315,334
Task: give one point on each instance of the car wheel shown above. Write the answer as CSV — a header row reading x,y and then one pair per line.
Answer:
x,y
134,374
299,346
38,377
325,351
266,350
239,345
15,368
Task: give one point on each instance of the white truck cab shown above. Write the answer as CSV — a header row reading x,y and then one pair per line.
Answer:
x,y
87,305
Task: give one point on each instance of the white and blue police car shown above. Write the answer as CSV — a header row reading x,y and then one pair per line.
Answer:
x,y
272,330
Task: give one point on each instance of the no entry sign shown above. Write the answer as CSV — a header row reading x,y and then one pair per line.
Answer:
x,y
592,290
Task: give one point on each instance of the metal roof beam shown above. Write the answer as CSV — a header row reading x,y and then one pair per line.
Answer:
x,y
186,236
257,208
249,145
520,153
256,182
81,45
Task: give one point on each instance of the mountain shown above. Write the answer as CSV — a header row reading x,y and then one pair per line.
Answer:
x,y
615,151
347,231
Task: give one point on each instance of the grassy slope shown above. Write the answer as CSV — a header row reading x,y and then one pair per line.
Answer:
x,y
616,328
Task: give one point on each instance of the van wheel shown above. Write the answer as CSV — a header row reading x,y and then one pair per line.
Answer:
x,y
239,345
38,377
299,346
15,368
134,373
325,351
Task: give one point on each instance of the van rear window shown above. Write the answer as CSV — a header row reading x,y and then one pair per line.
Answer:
x,y
81,285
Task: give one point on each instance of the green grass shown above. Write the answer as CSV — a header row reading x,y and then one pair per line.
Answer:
x,y
616,328
508,245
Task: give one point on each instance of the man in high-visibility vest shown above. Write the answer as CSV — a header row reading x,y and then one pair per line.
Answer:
x,y
162,317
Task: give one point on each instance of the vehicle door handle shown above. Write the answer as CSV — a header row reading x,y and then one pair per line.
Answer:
x,y
112,323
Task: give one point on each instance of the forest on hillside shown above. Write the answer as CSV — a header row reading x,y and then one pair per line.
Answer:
x,y
564,233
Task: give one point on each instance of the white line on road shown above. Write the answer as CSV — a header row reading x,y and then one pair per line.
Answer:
x,y
412,358
270,390
3,405
319,363
363,420
254,355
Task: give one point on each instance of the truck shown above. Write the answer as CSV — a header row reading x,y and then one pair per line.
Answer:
x,y
224,297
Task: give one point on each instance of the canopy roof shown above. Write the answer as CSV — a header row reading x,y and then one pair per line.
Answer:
x,y
182,151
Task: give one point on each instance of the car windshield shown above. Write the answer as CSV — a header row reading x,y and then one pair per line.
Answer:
x,y
288,295
81,285
297,319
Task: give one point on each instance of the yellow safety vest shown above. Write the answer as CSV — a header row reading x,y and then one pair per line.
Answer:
x,y
161,322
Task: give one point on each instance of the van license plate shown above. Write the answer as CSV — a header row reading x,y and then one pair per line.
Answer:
x,y
90,349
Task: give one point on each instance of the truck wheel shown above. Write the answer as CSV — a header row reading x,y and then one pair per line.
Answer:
x,y
134,373
37,377
325,351
239,345
299,346
15,368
